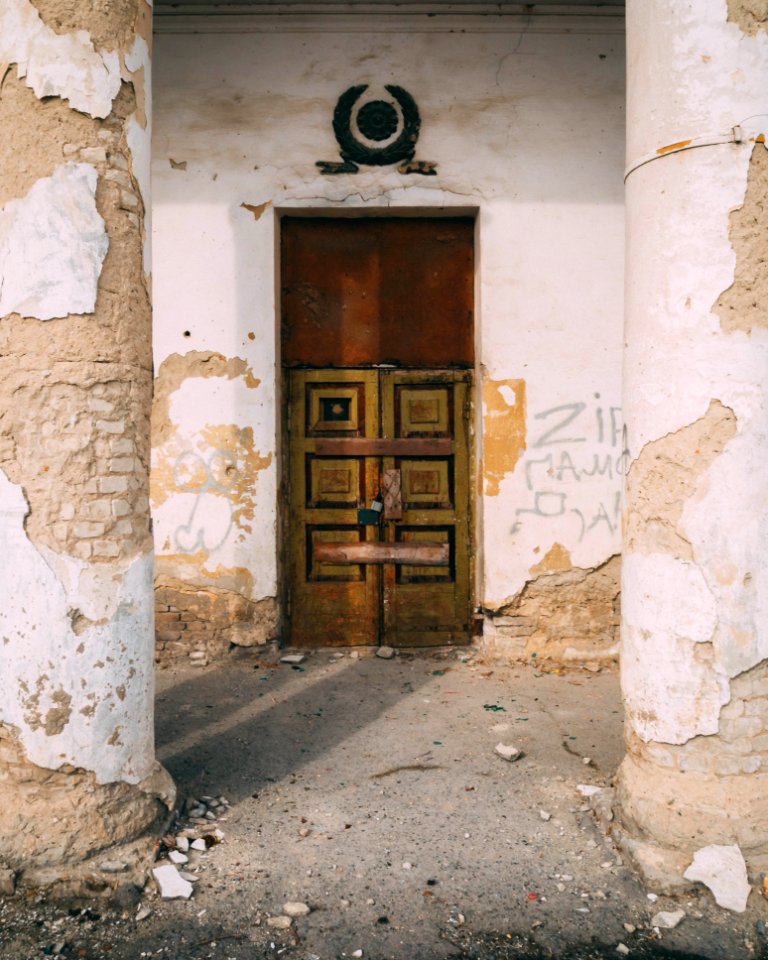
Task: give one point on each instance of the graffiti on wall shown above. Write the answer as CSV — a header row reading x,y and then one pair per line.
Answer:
x,y
212,480
574,467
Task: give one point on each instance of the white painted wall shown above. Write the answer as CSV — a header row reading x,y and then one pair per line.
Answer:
x,y
527,128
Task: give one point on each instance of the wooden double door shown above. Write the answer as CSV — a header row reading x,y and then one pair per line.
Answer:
x,y
398,575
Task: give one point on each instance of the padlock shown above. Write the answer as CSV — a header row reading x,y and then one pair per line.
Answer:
x,y
372,515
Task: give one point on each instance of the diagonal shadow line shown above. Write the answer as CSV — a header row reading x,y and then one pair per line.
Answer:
x,y
209,695
274,742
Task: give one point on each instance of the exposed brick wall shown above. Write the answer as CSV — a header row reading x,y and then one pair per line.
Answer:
x,y
202,623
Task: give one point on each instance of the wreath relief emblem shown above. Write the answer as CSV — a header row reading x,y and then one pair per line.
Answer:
x,y
377,133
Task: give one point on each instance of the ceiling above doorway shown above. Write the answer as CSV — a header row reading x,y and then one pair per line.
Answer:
x,y
426,8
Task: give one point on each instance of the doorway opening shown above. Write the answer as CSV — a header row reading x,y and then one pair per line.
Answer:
x,y
377,350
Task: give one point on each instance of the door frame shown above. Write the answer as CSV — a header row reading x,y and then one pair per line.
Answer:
x,y
282,398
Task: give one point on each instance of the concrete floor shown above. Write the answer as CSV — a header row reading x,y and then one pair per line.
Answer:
x,y
369,789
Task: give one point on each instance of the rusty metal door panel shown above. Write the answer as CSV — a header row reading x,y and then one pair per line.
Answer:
x,y
357,292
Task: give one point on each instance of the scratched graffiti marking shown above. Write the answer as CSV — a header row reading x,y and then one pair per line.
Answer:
x,y
211,480
566,478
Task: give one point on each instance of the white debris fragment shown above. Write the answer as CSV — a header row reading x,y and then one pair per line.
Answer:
x,y
182,843
172,885
622,948
508,752
588,789
386,653
545,815
293,658
667,919
357,953
722,868
176,856
295,908
279,923
199,844
113,866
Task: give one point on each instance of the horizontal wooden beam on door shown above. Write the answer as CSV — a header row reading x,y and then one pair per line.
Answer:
x,y
419,554
371,447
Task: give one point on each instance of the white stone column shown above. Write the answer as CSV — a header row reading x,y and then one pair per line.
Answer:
x,y
79,784
695,568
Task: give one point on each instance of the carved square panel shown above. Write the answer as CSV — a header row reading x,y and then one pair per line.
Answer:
x,y
334,482
424,411
335,408
427,483
349,572
414,574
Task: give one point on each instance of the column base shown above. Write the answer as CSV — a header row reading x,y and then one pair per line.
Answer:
x,y
665,816
69,836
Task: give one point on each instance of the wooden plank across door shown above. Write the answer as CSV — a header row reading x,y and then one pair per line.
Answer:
x,y
422,553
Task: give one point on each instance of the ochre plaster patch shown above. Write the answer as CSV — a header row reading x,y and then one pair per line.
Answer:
x,y
666,474
744,305
175,369
750,15
557,558
257,210
503,430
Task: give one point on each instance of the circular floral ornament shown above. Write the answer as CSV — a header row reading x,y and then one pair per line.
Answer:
x,y
377,120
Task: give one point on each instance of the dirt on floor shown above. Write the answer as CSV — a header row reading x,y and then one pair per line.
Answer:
x,y
370,791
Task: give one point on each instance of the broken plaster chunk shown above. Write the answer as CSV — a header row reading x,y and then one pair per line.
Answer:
x,y
52,246
171,884
722,869
508,752
588,789
386,653
293,658
176,856
295,908
667,919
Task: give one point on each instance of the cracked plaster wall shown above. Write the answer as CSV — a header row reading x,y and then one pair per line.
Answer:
x,y
75,385
526,129
694,572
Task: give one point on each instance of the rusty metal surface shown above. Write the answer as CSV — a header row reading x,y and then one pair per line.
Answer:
x,y
357,292
421,553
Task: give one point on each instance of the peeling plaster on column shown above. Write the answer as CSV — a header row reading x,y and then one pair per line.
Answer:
x,y
53,243
56,65
734,565
138,130
672,693
103,670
